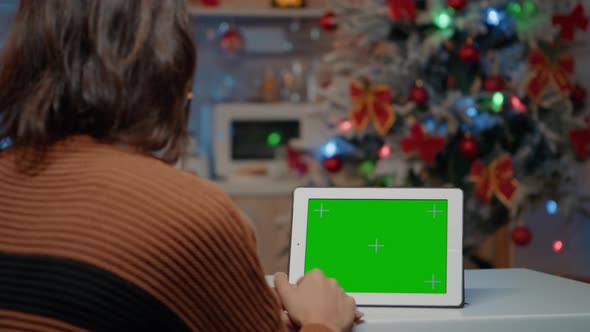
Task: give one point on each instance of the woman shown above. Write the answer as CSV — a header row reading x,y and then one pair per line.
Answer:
x,y
95,234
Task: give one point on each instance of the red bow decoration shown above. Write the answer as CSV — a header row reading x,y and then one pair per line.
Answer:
x,y
371,103
427,146
580,138
398,9
546,71
569,23
495,180
296,160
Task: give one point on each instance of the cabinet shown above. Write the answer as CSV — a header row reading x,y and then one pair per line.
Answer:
x,y
267,205
271,216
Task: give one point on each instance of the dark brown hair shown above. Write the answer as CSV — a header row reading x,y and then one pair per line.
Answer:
x,y
117,70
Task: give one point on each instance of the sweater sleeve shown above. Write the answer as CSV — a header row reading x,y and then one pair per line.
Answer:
x,y
248,229
252,249
259,299
229,288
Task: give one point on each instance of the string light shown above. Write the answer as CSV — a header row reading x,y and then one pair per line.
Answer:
x,y
430,125
330,149
493,17
345,125
367,168
552,207
385,151
522,11
557,246
497,101
514,8
517,104
387,181
528,8
274,138
443,20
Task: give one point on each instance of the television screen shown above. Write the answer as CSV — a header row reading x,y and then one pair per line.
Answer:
x,y
258,140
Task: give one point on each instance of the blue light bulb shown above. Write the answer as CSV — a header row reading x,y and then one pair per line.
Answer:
x,y
493,17
551,207
430,125
471,112
330,149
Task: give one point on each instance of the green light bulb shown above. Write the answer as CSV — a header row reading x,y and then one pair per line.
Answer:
x,y
521,11
514,8
497,101
274,139
387,181
443,20
528,8
367,168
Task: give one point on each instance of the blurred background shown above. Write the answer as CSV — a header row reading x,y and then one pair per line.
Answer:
x,y
486,95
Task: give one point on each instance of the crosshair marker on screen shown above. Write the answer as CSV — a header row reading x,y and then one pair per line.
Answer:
x,y
321,211
434,211
377,246
433,281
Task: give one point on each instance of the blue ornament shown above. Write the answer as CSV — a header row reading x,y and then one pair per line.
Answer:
x,y
435,127
483,122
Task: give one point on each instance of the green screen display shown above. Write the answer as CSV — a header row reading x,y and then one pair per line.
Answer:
x,y
379,246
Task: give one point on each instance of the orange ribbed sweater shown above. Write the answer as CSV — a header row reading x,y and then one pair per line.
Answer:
x,y
103,239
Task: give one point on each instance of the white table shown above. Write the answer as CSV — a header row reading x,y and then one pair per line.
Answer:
x,y
497,300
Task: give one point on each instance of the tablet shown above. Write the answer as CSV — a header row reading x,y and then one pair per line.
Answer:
x,y
384,246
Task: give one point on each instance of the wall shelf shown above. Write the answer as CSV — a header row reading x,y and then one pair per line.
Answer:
x,y
255,12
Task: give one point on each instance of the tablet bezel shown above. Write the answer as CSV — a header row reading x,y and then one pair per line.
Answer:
x,y
454,296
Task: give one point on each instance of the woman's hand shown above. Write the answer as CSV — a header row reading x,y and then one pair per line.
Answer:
x,y
316,299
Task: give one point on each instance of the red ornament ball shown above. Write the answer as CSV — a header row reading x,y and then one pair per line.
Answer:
x,y
328,21
402,9
469,148
419,95
232,41
579,95
521,236
457,5
333,164
469,53
493,84
210,3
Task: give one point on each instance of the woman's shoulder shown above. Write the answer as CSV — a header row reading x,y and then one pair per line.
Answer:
x,y
135,184
150,176
153,194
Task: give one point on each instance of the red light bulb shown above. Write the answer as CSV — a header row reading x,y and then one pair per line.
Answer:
x,y
557,246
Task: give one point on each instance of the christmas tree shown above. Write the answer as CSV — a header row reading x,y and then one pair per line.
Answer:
x,y
478,94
